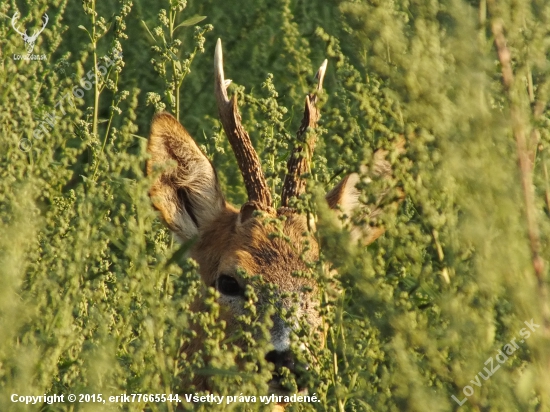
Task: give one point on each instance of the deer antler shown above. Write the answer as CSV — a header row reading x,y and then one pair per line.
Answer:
x,y
46,19
298,163
13,20
247,158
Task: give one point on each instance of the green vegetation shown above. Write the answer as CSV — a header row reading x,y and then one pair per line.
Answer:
x,y
95,294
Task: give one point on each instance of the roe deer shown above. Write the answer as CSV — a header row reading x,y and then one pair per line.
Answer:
x,y
229,240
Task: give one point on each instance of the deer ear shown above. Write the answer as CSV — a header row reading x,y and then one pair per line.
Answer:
x,y
186,192
344,198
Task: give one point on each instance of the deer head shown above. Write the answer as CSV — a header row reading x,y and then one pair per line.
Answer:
x,y
29,40
230,240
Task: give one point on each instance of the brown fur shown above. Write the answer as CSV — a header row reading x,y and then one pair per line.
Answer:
x,y
187,193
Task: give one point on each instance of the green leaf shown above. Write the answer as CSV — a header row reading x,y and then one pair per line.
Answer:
x,y
190,22
148,31
81,27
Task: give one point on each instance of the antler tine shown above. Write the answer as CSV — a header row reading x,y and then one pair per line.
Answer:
x,y
298,163
13,20
247,158
45,22
320,75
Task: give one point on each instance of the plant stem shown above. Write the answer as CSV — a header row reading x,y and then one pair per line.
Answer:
x,y
547,180
525,166
107,130
176,89
96,86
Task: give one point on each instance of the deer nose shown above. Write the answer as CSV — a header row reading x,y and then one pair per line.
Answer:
x,y
280,359
285,359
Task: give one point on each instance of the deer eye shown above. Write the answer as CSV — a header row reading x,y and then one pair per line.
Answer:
x,y
228,285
